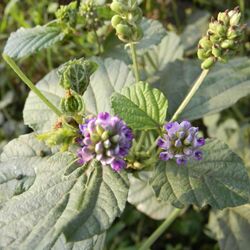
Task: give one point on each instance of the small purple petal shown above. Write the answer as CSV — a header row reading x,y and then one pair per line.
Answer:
x,y
185,124
198,155
181,160
118,165
178,143
165,156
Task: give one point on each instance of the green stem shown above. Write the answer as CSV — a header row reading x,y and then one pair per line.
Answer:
x,y
135,63
161,229
151,61
49,59
191,93
141,140
27,81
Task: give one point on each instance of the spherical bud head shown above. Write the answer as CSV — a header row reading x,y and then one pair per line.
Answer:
x,y
234,18
224,17
119,8
216,51
205,43
116,19
208,63
227,44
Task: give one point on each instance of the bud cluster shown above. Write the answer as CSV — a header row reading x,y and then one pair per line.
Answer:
x,y
222,39
127,20
105,138
67,15
90,16
180,142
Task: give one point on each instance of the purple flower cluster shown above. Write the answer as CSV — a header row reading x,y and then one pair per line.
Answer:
x,y
181,142
106,138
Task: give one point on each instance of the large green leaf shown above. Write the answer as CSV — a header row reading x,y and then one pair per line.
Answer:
x,y
141,106
64,198
219,180
231,227
168,50
224,86
142,196
24,42
111,76
153,33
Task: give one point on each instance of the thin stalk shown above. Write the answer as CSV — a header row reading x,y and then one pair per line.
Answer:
x,y
49,59
161,229
28,82
100,48
151,61
135,63
191,93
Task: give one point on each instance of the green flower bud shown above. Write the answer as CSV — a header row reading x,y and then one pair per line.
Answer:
x,y
212,26
216,50
227,44
215,39
224,17
234,17
94,137
119,8
105,136
221,29
71,104
124,29
202,55
116,19
232,33
205,43
208,63
99,130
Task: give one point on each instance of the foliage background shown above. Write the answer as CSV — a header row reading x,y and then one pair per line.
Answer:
x,y
188,19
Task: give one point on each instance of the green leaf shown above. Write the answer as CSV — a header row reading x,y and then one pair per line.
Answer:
x,y
111,76
94,243
167,51
231,227
16,178
223,86
141,106
25,42
142,196
219,180
64,198
153,34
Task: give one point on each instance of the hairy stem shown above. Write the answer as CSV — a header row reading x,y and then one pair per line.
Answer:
x,y
135,63
28,82
161,229
190,95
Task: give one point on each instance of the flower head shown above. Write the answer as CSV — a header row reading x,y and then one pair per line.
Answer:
x,y
106,138
180,142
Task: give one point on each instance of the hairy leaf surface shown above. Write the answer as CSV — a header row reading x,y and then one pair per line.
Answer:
x,y
140,106
64,198
26,41
219,180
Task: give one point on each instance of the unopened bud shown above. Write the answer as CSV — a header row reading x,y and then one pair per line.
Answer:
x,y
208,63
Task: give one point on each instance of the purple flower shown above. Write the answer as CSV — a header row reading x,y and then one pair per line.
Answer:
x,y
181,142
106,138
